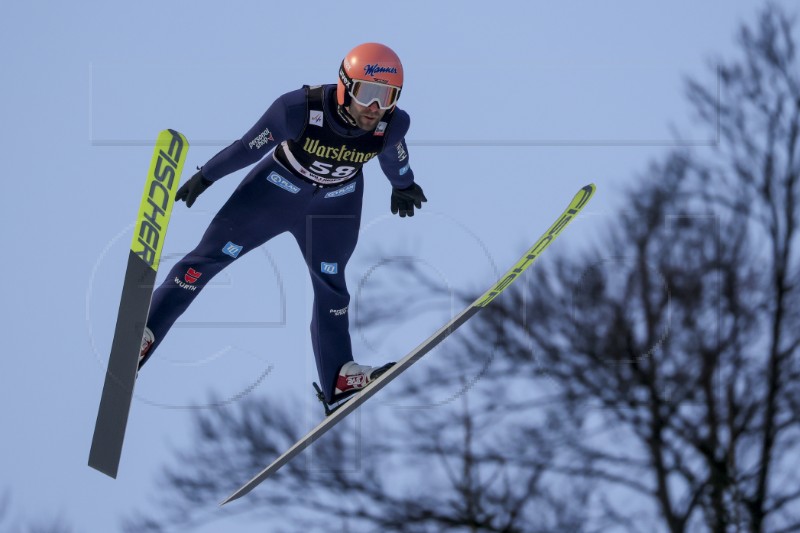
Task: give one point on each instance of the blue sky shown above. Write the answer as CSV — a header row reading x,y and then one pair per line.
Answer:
x,y
514,106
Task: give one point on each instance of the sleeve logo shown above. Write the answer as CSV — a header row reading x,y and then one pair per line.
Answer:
x,y
263,138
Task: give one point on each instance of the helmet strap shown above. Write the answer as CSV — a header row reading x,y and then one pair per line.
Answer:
x,y
344,113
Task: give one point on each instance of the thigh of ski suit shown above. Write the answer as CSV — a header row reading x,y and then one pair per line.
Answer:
x,y
256,211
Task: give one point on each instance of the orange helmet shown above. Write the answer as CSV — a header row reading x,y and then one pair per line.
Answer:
x,y
370,72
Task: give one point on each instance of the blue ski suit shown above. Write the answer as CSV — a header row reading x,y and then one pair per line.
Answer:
x,y
310,184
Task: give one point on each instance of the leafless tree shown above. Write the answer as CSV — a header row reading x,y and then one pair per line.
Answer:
x,y
413,479
758,163
674,343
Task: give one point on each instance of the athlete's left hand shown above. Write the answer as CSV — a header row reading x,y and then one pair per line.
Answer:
x,y
404,200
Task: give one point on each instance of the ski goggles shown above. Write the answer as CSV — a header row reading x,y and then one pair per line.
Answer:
x,y
366,92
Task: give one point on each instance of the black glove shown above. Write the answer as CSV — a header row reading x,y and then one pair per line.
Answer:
x,y
193,188
404,200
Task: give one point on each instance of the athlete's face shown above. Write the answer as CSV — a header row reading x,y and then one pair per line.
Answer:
x,y
367,117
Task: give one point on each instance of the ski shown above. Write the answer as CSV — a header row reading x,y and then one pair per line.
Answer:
x,y
155,209
575,206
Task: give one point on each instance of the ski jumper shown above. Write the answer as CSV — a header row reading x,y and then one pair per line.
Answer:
x,y
310,184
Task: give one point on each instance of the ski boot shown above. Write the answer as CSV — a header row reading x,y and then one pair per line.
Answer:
x,y
147,342
352,378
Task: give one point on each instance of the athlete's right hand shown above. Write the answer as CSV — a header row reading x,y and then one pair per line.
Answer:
x,y
193,188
